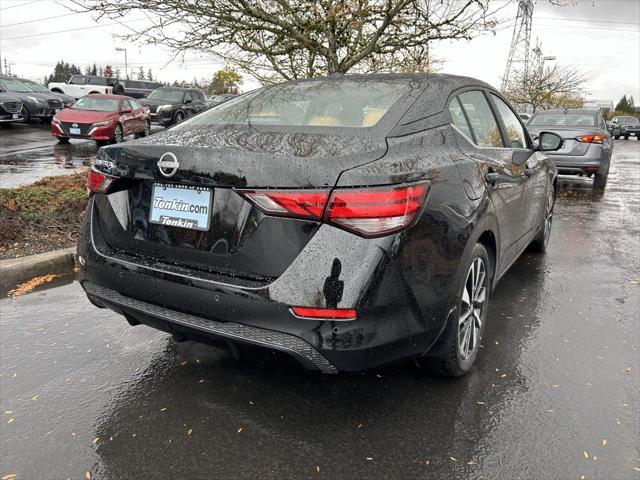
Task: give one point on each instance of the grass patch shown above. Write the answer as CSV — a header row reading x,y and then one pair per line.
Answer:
x,y
43,216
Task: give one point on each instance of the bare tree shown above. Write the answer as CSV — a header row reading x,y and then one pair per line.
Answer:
x,y
285,39
545,87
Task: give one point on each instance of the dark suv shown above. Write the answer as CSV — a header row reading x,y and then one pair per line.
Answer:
x,y
624,126
138,88
10,108
170,105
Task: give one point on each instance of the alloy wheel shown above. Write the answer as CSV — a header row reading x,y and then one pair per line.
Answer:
x,y
472,308
147,129
117,134
548,220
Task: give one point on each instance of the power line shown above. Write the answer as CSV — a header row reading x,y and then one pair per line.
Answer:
x,y
585,20
75,29
19,5
41,19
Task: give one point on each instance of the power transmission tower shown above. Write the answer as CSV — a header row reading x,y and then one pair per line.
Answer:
x,y
520,41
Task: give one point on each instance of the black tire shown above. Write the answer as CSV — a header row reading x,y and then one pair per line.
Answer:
x,y
617,137
600,180
118,135
626,137
63,140
146,132
541,240
452,361
26,116
179,118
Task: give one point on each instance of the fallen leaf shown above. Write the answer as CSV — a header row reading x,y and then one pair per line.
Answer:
x,y
189,431
95,440
8,412
359,425
183,364
251,402
504,375
480,403
87,475
586,454
637,469
26,287
318,468
9,476
604,442
239,430
200,381
10,420
35,397
163,409
427,462
369,458
627,370
454,459
471,462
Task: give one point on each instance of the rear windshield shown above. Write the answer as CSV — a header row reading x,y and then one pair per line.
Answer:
x,y
323,103
558,119
168,95
628,120
97,103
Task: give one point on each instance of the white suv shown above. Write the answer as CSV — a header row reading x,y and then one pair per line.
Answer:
x,y
81,85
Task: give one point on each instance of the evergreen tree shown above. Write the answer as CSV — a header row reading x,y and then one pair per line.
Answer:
x,y
623,105
94,70
149,76
141,73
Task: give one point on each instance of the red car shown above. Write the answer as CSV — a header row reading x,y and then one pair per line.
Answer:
x,y
104,118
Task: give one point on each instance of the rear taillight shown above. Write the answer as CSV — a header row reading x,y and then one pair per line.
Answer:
x,y
98,182
369,212
596,138
324,313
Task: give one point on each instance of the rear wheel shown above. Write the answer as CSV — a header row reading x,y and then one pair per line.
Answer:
x,y
460,342
117,134
541,240
146,131
179,117
600,180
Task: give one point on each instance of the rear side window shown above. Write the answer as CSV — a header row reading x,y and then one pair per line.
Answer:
x,y
97,81
187,97
483,123
459,120
515,132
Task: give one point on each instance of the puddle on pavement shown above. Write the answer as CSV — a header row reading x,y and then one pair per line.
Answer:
x,y
24,167
58,281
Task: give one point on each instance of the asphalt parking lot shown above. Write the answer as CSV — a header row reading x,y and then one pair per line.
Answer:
x,y
554,393
28,152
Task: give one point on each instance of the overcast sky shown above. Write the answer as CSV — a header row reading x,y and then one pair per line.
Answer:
x,y
601,38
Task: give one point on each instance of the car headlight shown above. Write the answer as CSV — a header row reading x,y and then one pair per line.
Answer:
x,y
56,120
166,108
37,100
102,124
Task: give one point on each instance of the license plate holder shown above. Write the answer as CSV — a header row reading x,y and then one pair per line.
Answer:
x,y
15,115
181,206
74,131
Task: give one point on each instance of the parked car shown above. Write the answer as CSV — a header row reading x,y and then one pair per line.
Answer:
x,y
215,100
138,88
103,118
349,222
171,105
587,146
79,85
65,100
35,106
10,108
624,126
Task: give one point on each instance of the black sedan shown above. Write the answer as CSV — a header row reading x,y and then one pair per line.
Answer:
x,y
349,222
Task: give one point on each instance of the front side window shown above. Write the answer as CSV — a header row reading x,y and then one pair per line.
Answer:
x,y
356,103
458,118
483,123
515,132
77,80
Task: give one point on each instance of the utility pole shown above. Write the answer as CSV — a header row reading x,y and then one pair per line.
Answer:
x,y
126,65
520,41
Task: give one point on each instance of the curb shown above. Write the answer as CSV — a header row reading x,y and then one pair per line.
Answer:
x,y
15,270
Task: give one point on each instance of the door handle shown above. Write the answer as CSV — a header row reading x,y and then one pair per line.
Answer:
x,y
491,178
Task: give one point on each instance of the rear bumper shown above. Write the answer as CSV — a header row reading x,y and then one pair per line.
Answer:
x,y
595,160
392,325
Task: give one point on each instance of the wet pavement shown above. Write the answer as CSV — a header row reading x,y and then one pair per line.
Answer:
x,y
28,152
554,393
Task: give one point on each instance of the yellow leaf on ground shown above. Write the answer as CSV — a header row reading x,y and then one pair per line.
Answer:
x,y
318,468
189,431
240,429
35,397
87,475
26,287
95,440
586,454
9,476
604,442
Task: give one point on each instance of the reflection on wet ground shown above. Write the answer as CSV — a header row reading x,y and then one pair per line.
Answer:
x,y
554,393
29,152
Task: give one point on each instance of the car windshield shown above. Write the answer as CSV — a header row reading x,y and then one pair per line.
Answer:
x,y
320,103
628,120
12,85
97,104
166,94
35,87
559,119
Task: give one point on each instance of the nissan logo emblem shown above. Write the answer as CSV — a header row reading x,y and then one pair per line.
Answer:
x,y
168,164
74,125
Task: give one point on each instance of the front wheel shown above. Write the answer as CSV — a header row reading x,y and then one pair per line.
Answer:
x,y
617,137
25,114
117,134
460,342
541,240
626,137
146,131
600,180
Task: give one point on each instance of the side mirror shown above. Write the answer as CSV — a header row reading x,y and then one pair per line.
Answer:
x,y
126,110
549,142
188,100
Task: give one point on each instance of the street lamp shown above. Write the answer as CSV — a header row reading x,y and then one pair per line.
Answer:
x,y
126,66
